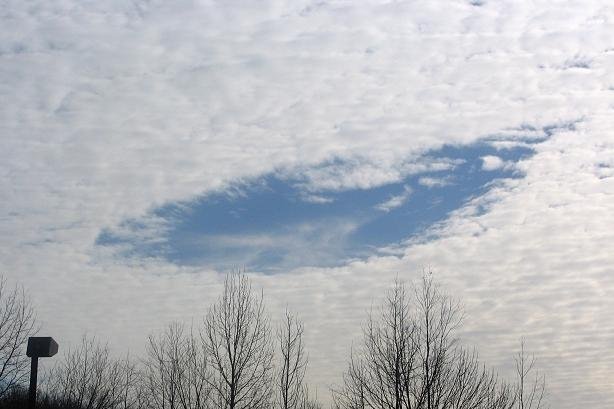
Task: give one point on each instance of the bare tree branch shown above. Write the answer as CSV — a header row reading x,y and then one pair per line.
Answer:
x,y
531,387
409,359
291,391
88,377
17,323
176,370
237,335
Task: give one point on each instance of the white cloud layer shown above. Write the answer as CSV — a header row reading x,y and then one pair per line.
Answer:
x,y
111,109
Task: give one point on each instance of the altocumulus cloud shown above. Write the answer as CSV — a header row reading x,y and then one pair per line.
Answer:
x,y
112,109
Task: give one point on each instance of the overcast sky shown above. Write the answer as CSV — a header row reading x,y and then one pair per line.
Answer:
x,y
147,147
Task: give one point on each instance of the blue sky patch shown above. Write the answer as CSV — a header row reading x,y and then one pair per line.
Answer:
x,y
269,225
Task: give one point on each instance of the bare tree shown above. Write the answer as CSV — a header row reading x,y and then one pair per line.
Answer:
x,y
131,393
531,387
380,375
437,317
176,370
88,377
195,390
309,402
17,323
467,383
409,359
291,390
237,335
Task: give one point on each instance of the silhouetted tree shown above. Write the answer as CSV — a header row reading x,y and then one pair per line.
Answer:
x,y
238,340
176,370
131,392
291,390
17,323
89,377
409,359
308,402
467,383
531,387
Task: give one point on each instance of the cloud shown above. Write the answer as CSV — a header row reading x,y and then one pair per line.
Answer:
x,y
114,109
491,162
311,198
434,182
552,264
395,201
364,173
317,243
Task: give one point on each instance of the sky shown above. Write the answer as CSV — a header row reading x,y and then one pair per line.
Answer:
x,y
327,147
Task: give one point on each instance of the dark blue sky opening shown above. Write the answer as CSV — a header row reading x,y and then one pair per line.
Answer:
x,y
266,224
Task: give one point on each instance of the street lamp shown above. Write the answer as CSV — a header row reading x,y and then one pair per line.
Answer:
x,y
38,347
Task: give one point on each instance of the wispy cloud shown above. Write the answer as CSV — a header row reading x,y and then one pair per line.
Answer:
x,y
395,201
362,173
429,181
318,243
312,198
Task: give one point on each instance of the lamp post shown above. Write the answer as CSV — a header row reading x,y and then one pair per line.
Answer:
x,y
38,347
